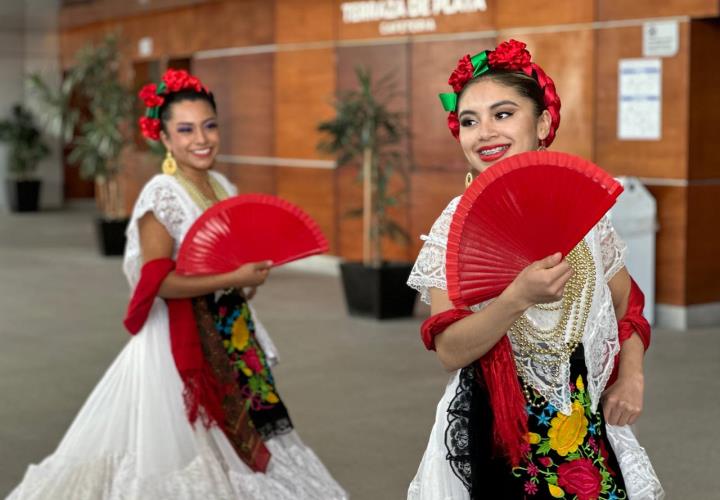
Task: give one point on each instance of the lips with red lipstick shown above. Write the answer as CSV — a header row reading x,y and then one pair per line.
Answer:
x,y
492,152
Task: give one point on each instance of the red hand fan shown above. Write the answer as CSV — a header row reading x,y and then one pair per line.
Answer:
x,y
248,228
520,210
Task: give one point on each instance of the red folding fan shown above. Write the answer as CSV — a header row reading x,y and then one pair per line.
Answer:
x,y
248,228
520,210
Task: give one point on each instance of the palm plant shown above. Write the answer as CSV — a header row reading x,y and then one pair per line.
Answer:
x,y
27,148
98,130
365,131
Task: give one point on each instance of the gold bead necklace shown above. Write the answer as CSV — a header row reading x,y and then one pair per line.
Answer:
x,y
198,196
547,347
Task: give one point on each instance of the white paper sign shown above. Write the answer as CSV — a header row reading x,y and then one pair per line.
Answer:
x,y
639,99
660,38
145,46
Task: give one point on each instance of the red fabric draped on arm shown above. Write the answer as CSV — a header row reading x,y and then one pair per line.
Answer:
x,y
510,425
632,322
202,390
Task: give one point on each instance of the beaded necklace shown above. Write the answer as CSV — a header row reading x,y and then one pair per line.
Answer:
x,y
198,196
547,347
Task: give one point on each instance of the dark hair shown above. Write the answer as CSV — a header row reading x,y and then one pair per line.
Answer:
x,y
523,84
180,96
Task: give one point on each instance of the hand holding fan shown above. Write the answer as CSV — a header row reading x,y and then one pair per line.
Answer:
x,y
520,210
248,228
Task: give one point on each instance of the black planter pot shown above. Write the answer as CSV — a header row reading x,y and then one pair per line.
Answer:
x,y
380,293
23,196
111,236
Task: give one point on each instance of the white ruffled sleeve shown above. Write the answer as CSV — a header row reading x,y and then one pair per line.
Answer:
x,y
613,248
429,269
159,196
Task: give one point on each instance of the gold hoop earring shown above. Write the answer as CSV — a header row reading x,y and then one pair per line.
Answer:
x,y
169,166
468,179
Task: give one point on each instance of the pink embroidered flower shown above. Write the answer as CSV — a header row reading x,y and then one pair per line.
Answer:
x,y
252,360
593,444
525,448
580,477
530,488
532,469
545,461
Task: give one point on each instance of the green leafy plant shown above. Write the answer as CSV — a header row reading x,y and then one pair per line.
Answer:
x,y
26,146
366,132
92,110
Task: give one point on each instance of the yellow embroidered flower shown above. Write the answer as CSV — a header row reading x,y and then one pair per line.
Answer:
x,y
271,398
240,334
567,432
247,371
533,438
556,491
579,383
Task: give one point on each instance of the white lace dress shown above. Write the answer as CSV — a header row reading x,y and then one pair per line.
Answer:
x,y
132,439
435,479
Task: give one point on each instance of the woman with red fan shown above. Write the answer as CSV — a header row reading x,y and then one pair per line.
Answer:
x,y
189,409
540,323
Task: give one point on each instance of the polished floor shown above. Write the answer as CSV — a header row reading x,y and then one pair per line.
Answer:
x,y
362,393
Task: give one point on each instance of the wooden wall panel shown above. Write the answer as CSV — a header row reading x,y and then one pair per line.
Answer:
x,y
430,194
568,57
249,178
102,10
243,87
703,241
608,10
671,246
704,101
303,21
305,88
666,157
314,191
514,13
431,63
456,23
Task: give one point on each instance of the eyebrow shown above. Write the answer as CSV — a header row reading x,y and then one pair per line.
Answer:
x,y
494,106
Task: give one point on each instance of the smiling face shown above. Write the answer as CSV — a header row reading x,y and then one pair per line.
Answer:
x,y
496,122
191,134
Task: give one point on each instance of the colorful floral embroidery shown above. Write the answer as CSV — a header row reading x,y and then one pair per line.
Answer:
x,y
236,327
570,459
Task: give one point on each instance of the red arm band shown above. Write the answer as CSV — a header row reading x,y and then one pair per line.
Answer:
x,y
152,275
634,321
437,324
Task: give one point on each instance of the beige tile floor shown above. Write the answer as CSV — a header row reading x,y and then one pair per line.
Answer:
x,y
361,393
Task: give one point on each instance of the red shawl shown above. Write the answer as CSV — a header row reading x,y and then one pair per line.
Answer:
x,y
202,388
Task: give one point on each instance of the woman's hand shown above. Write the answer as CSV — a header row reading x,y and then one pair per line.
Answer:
x,y
252,274
541,282
623,401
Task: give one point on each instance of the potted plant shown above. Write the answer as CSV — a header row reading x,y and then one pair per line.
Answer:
x,y
26,150
92,110
365,132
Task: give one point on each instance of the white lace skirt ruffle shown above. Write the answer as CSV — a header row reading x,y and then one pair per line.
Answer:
x,y
132,440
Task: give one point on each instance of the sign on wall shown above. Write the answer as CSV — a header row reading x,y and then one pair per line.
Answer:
x,y
640,99
400,17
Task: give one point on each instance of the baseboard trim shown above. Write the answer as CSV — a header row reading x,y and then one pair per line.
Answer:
x,y
320,264
684,317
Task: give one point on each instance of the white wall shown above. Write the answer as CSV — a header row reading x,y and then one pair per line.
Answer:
x,y
28,42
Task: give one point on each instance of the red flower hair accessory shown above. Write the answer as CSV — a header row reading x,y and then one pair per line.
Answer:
x,y
153,96
511,56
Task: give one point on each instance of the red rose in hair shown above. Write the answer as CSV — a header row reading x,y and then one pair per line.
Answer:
x,y
463,73
581,478
150,128
179,79
149,96
510,55
454,124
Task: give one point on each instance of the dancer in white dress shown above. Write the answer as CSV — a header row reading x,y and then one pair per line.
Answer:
x,y
133,438
569,436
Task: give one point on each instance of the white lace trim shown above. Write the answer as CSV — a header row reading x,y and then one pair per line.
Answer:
x,y
294,473
641,481
600,338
